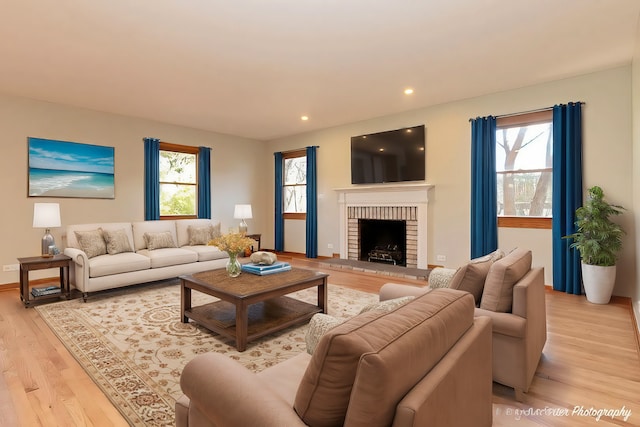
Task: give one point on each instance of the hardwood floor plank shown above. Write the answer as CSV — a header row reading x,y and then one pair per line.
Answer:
x,y
591,359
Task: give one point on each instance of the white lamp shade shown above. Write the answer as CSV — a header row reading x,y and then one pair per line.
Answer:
x,y
46,215
242,212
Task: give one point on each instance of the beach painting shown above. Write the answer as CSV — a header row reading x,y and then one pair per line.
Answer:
x,y
70,169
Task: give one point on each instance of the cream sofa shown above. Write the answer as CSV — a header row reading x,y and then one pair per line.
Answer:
x,y
427,362
512,293
139,252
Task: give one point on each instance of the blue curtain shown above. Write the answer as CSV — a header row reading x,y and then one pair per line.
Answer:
x,y
567,195
312,204
151,178
484,199
279,217
204,182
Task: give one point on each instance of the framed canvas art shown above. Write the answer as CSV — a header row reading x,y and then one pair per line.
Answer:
x,y
70,169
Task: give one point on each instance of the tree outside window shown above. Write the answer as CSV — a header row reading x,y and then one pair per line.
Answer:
x,y
178,181
295,185
524,163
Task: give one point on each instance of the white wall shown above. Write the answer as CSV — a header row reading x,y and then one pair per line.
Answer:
x,y
243,169
636,167
607,163
237,167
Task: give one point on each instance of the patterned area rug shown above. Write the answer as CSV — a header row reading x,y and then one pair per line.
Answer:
x,y
133,345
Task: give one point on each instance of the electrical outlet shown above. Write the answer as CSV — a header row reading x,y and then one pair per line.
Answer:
x,y
11,267
441,258
329,245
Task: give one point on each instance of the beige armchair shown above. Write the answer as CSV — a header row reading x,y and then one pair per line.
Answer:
x,y
513,296
519,336
402,367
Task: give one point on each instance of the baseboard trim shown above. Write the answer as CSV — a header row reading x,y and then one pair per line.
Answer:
x,y
635,313
9,286
16,285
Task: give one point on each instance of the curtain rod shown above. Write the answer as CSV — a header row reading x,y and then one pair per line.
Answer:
x,y
537,110
297,149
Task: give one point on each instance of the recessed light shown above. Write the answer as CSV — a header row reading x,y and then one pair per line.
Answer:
x,y
408,91
304,118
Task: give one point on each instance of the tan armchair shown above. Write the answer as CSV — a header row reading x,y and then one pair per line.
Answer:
x,y
519,336
403,368
513,296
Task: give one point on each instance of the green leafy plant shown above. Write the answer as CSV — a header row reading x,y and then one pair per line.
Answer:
x,y
598,239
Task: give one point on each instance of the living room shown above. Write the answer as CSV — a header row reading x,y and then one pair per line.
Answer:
x,y
608,147
242,167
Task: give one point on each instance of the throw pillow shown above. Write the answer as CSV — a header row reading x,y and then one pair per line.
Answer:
x,y
215,231
159,240
471,278
320,323
440,277
396,349
117,241
493,257
387,305
199,235
502,277
91,242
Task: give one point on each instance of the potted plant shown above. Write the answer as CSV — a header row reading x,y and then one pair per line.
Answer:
x,y
599,240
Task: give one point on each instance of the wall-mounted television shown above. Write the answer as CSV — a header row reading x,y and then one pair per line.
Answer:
x,y
391,156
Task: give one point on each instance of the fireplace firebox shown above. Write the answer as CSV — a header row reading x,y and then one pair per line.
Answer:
x,y
382,241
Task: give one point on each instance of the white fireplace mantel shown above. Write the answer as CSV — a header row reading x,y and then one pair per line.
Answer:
x,y
412,194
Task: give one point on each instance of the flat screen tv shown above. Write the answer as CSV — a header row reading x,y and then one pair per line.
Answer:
x,y
391,156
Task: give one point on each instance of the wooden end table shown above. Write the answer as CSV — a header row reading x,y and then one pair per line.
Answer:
x,y
257,238
251,306
41,263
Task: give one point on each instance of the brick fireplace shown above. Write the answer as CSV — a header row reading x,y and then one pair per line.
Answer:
x,y
402,202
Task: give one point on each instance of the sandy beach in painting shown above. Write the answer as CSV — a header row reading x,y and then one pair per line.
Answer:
x,y
75,192
57,183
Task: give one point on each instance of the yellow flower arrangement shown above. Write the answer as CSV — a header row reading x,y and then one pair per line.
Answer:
x,y
232,243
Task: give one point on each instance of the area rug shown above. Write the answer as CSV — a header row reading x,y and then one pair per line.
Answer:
x,y
134,346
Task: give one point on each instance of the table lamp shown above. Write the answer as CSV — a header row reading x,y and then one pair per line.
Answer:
x,y
242,212
46,215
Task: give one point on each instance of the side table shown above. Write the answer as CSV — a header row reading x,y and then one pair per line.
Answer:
x,y
255,237
41,263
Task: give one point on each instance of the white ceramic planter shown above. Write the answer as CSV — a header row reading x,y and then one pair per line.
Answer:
x,y
598,282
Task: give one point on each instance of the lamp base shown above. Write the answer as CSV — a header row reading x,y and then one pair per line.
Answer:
x,y
47,241
242,228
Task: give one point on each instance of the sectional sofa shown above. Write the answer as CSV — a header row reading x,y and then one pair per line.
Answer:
x,y
113,255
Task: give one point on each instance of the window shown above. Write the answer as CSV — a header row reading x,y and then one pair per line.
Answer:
x,y
294,184
178,181
524,163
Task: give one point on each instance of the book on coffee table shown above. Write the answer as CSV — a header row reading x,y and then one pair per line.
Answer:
x,y
262,269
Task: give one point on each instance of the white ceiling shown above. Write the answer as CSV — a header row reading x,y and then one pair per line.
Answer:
x,y
253,67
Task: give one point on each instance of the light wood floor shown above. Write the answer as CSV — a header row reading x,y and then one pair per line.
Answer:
x,y
591,360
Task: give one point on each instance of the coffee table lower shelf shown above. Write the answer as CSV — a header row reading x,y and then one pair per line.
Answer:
x,y
264,317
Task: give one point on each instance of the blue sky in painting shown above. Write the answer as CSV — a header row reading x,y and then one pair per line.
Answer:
x,y
70,156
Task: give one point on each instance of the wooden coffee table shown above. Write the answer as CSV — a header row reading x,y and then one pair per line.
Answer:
x,y
251,306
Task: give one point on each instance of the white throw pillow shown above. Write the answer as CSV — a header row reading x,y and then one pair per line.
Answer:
x,y
320,323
